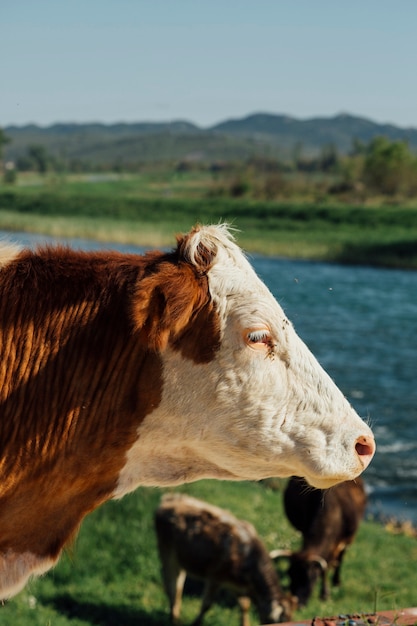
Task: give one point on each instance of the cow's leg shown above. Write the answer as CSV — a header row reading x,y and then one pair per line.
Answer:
x,y
176,605
209,592
336,575
173,578
244,603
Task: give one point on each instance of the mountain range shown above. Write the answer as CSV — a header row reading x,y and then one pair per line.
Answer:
x,y
260,134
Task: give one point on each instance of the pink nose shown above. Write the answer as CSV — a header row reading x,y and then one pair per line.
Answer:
x,y
365,448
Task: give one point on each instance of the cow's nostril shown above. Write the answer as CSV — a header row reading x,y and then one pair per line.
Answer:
x,y
365,449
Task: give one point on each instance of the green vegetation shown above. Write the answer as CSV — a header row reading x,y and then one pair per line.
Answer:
x,y
153,180
148,209
111,575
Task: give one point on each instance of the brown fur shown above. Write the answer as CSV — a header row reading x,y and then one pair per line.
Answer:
x,y
80,335
328,521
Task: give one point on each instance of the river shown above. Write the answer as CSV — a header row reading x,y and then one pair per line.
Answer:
x,y
361,324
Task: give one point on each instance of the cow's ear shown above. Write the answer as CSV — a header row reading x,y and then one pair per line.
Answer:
x,y
165,302
201,246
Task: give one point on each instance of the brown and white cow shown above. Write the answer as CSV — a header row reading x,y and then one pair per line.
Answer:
x,y
119,370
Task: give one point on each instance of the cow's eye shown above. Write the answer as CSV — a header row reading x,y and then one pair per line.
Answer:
x,y
259,339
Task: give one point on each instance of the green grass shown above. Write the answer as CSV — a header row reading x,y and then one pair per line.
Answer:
x,y
111,575
150,209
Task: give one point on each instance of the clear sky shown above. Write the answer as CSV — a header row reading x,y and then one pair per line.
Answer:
x,y
206,60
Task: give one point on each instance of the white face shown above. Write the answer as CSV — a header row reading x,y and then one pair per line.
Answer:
x,y
262,407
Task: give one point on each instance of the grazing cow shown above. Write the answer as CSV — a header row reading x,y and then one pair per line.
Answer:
x,y
208,543
328,520
119,370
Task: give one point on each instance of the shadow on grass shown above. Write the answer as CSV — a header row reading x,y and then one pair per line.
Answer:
x,y
399,254
111,615
106,615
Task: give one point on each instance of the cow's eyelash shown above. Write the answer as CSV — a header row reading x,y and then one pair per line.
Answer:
x,y
259,336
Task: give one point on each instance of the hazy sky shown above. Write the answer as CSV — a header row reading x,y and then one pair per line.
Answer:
x,y
206,60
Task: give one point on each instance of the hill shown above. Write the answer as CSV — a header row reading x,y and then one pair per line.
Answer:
x,y
315,133
261,134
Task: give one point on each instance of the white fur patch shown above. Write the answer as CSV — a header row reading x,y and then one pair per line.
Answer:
x,y
8,252
16,569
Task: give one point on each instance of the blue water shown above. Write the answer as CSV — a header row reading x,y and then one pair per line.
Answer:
x,y
360,323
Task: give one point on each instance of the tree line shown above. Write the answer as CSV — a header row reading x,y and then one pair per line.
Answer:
x,y
379,167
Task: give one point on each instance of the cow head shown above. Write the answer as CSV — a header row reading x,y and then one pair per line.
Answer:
x,y
242,396
304,571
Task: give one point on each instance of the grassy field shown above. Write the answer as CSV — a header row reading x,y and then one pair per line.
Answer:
x,y
111,575
149,210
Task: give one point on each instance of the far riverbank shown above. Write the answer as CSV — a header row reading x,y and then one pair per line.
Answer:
x,y
121,212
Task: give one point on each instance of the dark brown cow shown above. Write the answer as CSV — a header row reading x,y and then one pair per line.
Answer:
x,y
209,543
328,520
119,370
